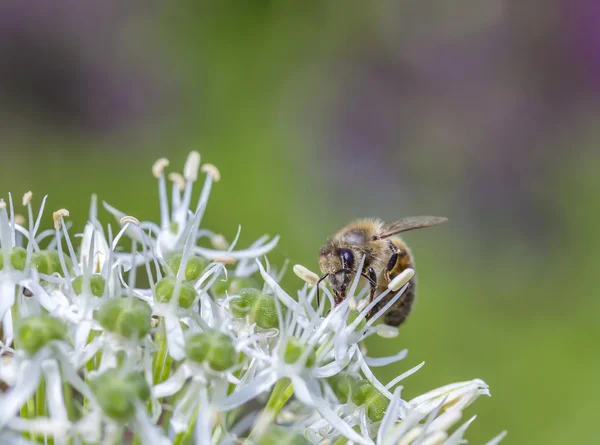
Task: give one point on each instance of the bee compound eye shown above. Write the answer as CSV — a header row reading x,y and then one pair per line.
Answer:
x,y
347,257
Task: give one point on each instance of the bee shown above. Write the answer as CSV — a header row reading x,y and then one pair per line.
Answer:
x,y
385,256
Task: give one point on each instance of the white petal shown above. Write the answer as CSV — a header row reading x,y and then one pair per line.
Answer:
x,y
149,433
457,395
204,422
301,391
54,391
496,440
175,340
455,438
342,427
17,396
402,376
288,301
384,361
172,384
390,417
250,253
435,438
261,383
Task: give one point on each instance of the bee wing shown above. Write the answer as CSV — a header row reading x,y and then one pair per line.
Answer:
x,y
410,223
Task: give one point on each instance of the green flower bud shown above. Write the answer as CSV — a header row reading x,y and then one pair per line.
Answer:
x,y
242,305
48,262
164,292
266,312
233,286
117,392
258,306
361,391
193,268
37,331
212,347
294,349
277,435
342,385
129,317
97,284
18,258
377,404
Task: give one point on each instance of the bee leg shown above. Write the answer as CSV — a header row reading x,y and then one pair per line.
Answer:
x,y
373,283
318,289
392,261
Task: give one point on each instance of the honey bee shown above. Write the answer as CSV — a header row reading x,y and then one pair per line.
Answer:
x,y
385,256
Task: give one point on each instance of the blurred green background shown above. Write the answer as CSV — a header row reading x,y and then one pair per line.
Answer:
x,y
320,112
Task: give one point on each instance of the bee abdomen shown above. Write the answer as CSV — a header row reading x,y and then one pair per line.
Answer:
x,y
397,314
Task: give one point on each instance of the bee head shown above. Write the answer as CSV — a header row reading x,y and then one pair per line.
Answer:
x,y
338,262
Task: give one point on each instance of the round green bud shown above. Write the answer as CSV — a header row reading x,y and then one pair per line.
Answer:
x,y
278,435
294,350
129,317
212,347
18,257
260,308
48,262
97,285
37,331
361,391
266,312
342,385
117,392
164,289
193,268
243,304
233,286
377,404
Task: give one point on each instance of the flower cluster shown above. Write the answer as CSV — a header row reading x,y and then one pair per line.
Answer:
x,y
168,334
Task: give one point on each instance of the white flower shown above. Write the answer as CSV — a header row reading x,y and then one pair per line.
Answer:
x,y
174,339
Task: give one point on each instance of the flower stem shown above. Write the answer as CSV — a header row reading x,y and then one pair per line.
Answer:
x,y
40,399
185,437
162,362
281,393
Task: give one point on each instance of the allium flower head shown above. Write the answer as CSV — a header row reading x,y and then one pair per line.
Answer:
x,y
166,333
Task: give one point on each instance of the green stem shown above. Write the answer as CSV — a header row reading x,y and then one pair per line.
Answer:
x,y
185,437
218,433
281,393
160,359
40,399
341,441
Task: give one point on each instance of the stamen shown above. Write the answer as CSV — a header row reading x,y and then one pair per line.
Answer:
x,y
397,283
20,219
225,260
58,216
130,219
305,274
27,198
190,170
177,179
213,171
159,166
2,204
219,242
